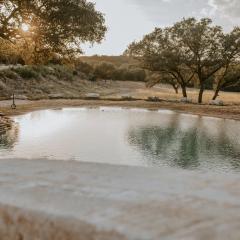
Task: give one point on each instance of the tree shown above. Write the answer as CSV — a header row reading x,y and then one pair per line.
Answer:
x,y
9,54
155,79
190,49
159,53
51,25
228,74
206,47
228,81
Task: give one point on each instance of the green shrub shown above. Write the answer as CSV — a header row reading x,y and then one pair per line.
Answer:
x,y
84,67
135,74
43,70
26,72
8,73
104,70
92,77
63,72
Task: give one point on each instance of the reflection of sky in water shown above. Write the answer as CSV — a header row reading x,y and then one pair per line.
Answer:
x,y
132,137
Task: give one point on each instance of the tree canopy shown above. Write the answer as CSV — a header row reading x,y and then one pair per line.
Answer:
x,y
188,50
51,25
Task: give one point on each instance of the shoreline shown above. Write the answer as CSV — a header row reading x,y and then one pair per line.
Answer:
x,y
225,112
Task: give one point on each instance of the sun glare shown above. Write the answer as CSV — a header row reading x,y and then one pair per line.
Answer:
x,y
25,27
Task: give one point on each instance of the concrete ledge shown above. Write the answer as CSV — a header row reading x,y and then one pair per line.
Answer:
x,y
48,200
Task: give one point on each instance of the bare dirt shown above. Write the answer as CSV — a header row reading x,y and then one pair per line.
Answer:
x,y
111,93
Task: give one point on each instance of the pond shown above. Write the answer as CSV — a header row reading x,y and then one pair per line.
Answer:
x,y
126,137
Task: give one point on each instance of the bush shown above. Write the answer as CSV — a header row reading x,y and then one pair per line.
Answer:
x,y
84,67
92,77
135,74
8,73
26,72
129,74
104,70
43,70
63,72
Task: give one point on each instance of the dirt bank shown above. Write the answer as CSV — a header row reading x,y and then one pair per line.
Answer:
x,y
228,112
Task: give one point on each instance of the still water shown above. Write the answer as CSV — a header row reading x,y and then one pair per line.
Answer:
x,y
127,137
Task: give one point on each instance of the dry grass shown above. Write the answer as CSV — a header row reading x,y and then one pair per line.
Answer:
x,y
138,90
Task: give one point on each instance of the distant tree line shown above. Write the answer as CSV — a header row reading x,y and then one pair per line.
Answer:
x,y
109,71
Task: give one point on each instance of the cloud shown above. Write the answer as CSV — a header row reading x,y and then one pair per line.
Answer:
x,y
165,12
129,20
230,8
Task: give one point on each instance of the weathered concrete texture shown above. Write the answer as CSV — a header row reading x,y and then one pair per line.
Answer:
x,y
41,200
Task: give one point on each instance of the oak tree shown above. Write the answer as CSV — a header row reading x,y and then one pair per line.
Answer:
x,y
46,26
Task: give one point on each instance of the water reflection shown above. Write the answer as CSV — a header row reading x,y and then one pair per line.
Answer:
x,y
125,137
9,138
206,142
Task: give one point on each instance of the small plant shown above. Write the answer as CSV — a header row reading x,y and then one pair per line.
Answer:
x,y
43,70
8,73
92,77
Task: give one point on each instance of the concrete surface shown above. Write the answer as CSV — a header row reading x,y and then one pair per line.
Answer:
x,y
54,200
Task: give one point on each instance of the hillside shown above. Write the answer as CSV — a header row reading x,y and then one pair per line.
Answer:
x,y
116,60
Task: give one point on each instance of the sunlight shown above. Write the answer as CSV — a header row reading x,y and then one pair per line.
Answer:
x,y
25,27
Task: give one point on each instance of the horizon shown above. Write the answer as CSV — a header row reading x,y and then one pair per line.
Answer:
x,y
129,20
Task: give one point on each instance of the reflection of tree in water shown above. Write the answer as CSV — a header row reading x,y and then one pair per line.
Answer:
x,y
8,139
184,148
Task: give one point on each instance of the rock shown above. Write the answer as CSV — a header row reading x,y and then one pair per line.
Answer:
x,y
92,96
126,97
216,102
21,97
48,200
56,96
154,99
186,100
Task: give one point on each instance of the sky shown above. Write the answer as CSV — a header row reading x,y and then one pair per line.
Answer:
x,y
129,20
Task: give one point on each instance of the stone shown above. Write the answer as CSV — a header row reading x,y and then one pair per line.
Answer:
x,y
69,200
126,97
154,99
56,96
92,96
21,97
186,100
216,102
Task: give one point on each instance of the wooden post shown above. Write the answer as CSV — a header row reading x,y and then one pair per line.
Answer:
x,y
13,106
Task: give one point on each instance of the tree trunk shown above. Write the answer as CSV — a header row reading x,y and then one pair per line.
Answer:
x,y
200,96
184,91
176,90
216,94
175,87
217,90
